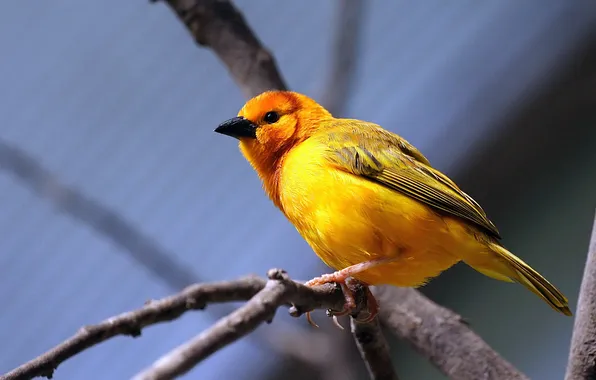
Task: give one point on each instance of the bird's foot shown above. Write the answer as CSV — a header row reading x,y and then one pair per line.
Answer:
x,y
372,306
342,277
350,300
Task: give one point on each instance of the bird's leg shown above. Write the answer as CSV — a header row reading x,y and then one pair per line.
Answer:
x,y
340,277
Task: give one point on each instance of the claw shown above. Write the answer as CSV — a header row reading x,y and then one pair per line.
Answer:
x,y
371,317
336,322
310,321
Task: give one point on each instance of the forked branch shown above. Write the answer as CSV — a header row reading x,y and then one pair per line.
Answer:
x,y
264,299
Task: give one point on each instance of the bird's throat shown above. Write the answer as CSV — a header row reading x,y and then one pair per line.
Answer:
x,y
268,167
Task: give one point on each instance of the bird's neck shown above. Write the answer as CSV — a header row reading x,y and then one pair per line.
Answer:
x,y
268,166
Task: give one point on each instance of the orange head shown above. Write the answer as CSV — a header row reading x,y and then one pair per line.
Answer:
x,y
270,124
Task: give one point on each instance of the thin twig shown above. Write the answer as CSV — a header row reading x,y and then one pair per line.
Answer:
x,y
218,25
582,356
344,57
373,349
442,336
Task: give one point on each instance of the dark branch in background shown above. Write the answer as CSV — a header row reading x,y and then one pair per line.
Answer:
x,y
344,57
582,356
441,336
106,222
322,351
374,349
268,296
218,25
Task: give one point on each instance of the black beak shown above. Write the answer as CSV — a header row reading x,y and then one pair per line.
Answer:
x,y
238,127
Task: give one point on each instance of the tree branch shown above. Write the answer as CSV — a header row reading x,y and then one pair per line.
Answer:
x,y
373,349
322,350
217,24
582,356
441,336
265,297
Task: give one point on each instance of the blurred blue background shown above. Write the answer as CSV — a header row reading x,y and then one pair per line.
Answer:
x,y
115,190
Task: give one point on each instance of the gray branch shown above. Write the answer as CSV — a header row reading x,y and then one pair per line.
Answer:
x,y
441,336
582,356
324,350
374,349
218,25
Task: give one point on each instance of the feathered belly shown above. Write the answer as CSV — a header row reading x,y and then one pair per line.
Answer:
x,y
348,220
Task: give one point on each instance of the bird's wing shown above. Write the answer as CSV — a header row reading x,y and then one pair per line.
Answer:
x,y
366,150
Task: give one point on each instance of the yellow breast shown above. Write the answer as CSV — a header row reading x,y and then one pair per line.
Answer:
x,y
348,219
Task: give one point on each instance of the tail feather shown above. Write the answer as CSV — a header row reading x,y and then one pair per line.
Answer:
x,y
509,267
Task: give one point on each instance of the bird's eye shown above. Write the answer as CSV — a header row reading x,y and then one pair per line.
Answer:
x,y
271,117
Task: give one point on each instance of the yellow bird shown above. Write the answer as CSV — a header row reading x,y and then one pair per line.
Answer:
x,y
369,204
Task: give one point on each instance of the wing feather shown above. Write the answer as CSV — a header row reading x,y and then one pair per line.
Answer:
x,y
366,150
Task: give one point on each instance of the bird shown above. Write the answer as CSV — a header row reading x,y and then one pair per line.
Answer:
x,y
369,204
